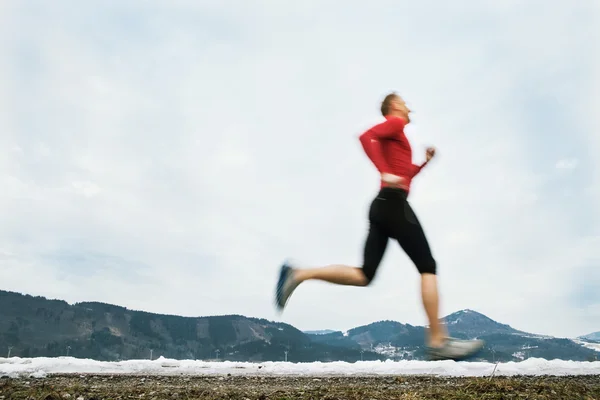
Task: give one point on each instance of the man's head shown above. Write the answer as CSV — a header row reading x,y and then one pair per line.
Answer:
x,y
393,105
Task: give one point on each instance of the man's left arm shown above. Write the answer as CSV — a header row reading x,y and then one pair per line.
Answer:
x,y
417,168
429,153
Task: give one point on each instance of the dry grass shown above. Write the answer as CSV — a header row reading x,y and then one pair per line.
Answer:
x,y
91,387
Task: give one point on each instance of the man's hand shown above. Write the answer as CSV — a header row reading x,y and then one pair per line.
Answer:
x,y
429,153
393,180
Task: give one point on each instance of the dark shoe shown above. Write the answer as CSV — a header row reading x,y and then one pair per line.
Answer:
x,y
285,286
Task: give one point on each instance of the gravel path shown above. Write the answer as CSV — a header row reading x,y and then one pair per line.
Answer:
x,y
96,387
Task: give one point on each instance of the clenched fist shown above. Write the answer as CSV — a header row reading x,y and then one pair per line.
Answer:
x,y
429,153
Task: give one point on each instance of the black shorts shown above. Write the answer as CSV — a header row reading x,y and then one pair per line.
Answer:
x,y
391,217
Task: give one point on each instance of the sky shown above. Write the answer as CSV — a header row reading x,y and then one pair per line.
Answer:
x,y
168,156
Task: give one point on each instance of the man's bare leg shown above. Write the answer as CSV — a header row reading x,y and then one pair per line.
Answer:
x,y
338,274
290,277
430,296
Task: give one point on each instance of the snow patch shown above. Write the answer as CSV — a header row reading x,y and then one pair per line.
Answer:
x,y
593,346
41,367
385,349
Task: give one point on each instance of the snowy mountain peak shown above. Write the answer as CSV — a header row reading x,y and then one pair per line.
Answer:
x,y
466,315
592,336
475,324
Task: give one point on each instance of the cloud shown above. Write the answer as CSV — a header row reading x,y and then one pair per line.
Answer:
x,y
567,163
186,150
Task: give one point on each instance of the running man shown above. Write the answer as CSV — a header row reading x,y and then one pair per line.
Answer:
x,y
390,217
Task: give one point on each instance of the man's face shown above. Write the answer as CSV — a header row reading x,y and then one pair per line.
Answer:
x,y
399,105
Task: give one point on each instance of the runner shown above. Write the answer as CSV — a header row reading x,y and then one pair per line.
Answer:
x,y
390,217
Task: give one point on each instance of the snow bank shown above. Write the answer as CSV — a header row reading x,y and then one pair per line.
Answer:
x,y
40,367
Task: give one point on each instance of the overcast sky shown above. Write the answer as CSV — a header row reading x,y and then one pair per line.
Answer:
x,y
167,156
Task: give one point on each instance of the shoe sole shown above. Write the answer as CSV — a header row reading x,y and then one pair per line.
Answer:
x,y
283,275
465,357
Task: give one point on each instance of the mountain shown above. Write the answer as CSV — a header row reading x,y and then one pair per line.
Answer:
x,y
36,326
405,342
471,324
594,337
390,338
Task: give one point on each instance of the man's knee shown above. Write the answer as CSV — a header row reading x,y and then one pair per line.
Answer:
x,y
368,275
427,266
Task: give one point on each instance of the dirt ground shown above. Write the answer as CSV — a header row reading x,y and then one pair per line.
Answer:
x,y
181,387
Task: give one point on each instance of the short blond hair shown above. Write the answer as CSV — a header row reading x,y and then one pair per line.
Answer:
x,y
387,101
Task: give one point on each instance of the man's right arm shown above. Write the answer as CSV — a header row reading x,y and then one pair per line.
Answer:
x,y
371,141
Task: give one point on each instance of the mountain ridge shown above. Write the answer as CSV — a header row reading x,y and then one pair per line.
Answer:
x,y
34,326
314,331
594,336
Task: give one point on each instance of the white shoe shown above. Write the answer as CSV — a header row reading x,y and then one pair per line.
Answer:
x,y
455,349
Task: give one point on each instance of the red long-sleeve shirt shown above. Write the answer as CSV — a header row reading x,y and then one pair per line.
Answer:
x,y
388,148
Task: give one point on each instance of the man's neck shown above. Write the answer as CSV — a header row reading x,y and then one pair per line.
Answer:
x,y
399,115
